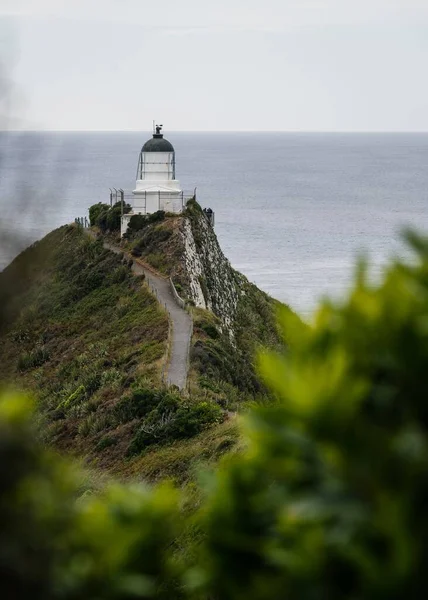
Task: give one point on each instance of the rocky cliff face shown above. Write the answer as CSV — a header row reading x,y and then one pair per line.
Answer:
x,y
210,281
238,318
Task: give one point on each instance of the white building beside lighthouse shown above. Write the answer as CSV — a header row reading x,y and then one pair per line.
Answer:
x,y
156,187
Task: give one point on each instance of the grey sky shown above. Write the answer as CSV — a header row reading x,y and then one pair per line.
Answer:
x,y
314,65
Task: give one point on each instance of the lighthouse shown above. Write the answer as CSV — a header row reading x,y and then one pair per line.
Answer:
x,y
156,187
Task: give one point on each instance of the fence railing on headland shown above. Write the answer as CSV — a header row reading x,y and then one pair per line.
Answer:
x,y
126,196
179,300
82,222
117,195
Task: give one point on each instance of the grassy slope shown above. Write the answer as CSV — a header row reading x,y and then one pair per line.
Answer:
x,y
81,330
82,333
90,340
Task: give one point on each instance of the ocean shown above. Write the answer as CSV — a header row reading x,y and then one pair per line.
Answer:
x,y
293,210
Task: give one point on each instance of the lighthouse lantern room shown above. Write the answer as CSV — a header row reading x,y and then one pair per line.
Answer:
x,y
156,187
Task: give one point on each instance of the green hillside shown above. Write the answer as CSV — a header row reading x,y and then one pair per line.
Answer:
x,y
89,339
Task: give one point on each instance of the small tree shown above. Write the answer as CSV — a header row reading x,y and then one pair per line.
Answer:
x,y
95,210
108,218
137,222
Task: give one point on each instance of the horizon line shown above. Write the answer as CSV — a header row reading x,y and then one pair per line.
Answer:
x,y
303,131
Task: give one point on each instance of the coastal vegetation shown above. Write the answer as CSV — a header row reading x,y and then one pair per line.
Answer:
x,y
326,497
89,340
107,218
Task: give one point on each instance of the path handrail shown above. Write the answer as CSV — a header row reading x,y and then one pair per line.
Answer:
x,y
181,303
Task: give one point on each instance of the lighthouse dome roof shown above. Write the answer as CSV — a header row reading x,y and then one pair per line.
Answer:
x,y
158,144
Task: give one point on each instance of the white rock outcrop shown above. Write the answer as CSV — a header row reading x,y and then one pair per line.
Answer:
x,y
213,284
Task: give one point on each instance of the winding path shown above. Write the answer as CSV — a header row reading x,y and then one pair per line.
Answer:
x,y
180,320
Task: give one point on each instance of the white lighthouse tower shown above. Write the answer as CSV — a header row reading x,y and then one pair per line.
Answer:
x,y
156,187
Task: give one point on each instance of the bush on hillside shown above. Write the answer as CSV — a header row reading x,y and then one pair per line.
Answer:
x,y
138,222
95,210
164,416
107,218
165,424
143,400
34,358
156,217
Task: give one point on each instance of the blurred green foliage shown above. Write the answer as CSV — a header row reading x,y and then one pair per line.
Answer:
x,y
327,500
330,499
55,544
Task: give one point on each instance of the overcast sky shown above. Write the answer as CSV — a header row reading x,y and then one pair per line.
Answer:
x,y
311,65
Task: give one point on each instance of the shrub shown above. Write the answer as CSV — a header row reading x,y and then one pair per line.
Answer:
x,y
136,251
85,427
156,217
136,223
34,358
119,274
171,421
106,442
211,330
95,210
107,218
192,419
142,401
139,222
95,423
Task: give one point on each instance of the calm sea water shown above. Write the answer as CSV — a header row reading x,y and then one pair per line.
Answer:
x,y
292,210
